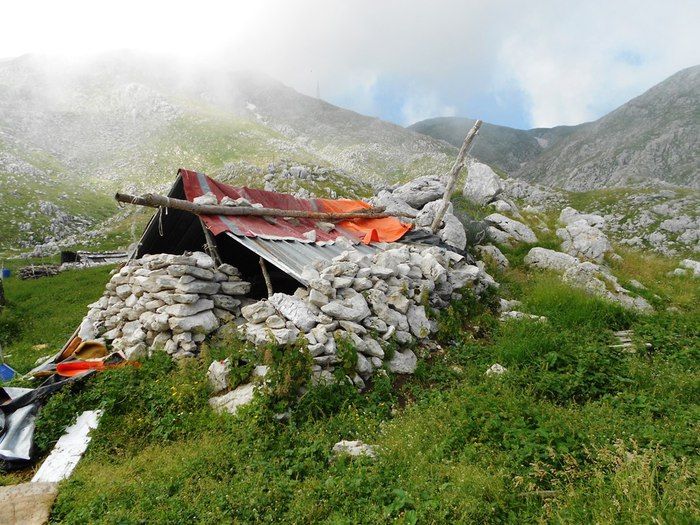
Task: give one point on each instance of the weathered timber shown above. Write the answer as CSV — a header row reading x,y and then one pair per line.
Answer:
x,y
158,201
212,250
454,173
266,276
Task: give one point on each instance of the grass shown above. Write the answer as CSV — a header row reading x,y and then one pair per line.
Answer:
x,y
45,312
574,432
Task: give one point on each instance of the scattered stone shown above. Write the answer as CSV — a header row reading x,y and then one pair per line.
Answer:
x,y
354,449
496,370
403,362
232,401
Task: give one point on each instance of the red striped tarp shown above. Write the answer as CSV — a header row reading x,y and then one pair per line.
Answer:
x,y
296,229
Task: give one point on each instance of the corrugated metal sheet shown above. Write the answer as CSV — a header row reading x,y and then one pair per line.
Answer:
x,y
291,257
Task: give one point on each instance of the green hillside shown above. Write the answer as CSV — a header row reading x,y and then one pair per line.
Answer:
x,y
575,432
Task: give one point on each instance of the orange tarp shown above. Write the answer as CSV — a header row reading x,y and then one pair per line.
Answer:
x,y
388,229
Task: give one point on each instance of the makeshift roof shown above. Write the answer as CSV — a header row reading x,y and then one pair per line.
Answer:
x,y
288,244
386,229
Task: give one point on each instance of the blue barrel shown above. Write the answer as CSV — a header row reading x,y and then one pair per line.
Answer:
x,y
5,273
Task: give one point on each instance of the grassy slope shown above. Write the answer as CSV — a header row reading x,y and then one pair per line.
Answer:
x,y
611,437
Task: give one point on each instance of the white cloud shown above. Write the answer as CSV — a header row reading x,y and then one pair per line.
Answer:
x,y
421,105
575,62
564,56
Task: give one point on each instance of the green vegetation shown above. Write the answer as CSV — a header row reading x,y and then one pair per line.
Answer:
x,y
574,432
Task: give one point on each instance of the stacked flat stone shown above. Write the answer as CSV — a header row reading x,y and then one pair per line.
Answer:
x,y
367,300
165,302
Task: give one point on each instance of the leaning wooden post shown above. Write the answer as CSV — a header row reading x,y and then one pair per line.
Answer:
x,y
454,173
211,244
266,276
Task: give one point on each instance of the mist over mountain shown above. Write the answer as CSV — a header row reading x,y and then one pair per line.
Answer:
x,y
653,136
71,132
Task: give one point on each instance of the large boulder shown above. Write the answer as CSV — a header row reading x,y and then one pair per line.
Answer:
x,y
451,231
582,240
504,230
420,191
482,184
550,259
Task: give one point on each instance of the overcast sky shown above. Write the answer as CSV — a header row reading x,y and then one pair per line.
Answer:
x,y
522,64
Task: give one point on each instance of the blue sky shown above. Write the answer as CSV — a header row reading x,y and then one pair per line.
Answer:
x,y
522,64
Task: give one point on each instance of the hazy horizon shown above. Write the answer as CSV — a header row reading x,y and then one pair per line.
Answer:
x,y
504,62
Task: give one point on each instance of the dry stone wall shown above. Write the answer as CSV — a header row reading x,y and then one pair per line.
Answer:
x,y
163,301
367,301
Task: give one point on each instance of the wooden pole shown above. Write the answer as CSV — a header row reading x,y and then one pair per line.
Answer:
x,y
266,276
211,244
158,201
454,173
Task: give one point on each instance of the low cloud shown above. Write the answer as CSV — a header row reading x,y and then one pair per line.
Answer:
x,y
422,105
570,61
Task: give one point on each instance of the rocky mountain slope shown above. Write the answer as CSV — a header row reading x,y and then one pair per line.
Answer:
x,y
70,134
653,136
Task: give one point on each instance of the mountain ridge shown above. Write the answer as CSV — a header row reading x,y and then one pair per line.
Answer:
x,y
652,136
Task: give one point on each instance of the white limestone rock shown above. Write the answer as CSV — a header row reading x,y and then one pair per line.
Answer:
x,y
418,322
203,322
420,191
232,401
218,375
403,362
546,259
509,229
258,312
482,184
354,449
351,308
295,310
582,240
185,310
496,370
491,253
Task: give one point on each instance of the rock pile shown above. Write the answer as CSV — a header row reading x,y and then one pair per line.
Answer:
x,y
422,197
168,302
366,301
582,237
